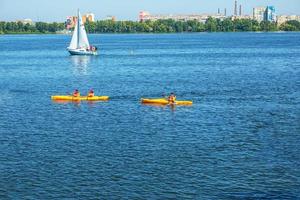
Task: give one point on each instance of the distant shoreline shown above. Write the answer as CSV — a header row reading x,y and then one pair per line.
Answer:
x,y
159,26
146,33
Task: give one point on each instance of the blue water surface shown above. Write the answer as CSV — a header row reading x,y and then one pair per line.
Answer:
x,y
240,139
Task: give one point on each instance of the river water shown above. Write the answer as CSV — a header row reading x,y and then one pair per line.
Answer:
x,y
239,140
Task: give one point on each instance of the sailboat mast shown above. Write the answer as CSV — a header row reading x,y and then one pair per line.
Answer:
x,y
78,27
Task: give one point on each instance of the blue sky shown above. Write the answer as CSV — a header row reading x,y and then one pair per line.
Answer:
x,y
57,10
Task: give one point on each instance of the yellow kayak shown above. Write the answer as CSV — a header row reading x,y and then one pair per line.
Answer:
x,y
81,98
165,102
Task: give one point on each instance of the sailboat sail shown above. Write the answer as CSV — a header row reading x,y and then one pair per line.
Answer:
x,y
79,38
83,40
73,44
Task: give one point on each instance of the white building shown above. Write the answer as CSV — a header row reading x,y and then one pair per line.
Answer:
x,y
284,18
259,13
26,21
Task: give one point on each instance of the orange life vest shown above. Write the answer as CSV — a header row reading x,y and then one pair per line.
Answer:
x,y
172,99
76,94
91,94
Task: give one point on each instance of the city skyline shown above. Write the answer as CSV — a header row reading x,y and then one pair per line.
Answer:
x,y
129,9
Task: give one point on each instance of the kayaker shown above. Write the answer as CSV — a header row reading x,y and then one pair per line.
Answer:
x,y
76,93
91,93
172,98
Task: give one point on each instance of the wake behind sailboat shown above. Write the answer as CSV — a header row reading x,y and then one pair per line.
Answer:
x,y
80,44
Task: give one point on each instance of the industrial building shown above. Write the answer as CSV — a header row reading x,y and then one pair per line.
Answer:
x,y
145,16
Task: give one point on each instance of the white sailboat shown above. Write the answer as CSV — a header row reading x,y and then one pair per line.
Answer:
x,y
80,44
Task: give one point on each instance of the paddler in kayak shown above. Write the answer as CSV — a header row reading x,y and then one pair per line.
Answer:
x,y
76,93
91,93
172,98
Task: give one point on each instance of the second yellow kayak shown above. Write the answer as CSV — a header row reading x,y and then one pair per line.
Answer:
x,y
81,98
164,102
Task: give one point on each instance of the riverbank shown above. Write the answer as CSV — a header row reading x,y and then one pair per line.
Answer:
x,y
59,33
159,26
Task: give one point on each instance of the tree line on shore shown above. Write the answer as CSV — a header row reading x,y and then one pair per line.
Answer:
x,y
159,26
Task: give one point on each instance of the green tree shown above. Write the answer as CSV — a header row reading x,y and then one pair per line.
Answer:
x,y
287,27
227,25
268,26
20,27
211,25
243,24
291,25
2,27
42,27
178,26
255,25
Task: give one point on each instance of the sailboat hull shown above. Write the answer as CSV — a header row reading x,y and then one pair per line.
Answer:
x,y
81,52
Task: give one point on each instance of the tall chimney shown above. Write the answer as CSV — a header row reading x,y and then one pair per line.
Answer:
x,y
235,8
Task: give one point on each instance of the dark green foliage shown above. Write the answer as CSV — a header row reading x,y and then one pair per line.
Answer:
x,y
227,25
38,27
268,26
159,26
242,25
292,25
211,25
